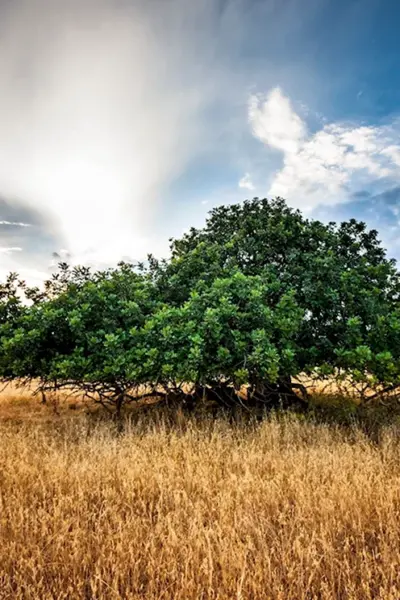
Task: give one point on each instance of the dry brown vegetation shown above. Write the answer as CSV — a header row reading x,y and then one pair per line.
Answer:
x,y
195,508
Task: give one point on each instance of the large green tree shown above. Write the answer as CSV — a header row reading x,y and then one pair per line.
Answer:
x,y
255,298
339,275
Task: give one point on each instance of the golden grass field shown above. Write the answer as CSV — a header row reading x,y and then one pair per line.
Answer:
x,y
187,509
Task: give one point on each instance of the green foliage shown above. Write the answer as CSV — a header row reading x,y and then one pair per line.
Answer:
x,y
235,331
76,334
348,290
257,297
11,311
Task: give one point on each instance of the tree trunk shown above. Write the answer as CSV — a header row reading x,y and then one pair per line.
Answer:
x,y
118,412
274,395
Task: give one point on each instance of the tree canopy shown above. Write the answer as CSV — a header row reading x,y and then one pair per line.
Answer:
x,y
258,296
339,274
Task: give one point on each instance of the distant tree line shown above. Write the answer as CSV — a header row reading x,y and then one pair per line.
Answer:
x,y
242,307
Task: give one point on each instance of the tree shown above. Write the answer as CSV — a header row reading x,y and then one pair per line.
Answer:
x,y
246,304
339,276
75,335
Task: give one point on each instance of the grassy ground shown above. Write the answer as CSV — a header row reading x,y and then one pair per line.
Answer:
x,y
188,509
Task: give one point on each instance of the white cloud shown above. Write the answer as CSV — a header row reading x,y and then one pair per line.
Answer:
x,y
15,224
275,123
246,182
101,107
10,250
104,103
393,152
324,167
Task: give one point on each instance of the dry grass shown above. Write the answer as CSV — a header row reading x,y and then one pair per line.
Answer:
x,y
198,509
19,405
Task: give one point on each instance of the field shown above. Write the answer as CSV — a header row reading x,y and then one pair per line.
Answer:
x,y
179,508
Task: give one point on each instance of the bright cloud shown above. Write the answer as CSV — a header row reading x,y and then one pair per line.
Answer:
x,y
6,250
15,224
246,183
324,167
100,108
274,122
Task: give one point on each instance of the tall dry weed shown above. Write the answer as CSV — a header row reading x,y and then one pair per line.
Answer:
x,y
282,510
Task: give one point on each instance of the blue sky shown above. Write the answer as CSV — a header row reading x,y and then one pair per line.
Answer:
x,y
122,122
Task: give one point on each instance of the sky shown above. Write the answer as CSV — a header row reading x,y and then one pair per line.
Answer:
x,y
123,122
